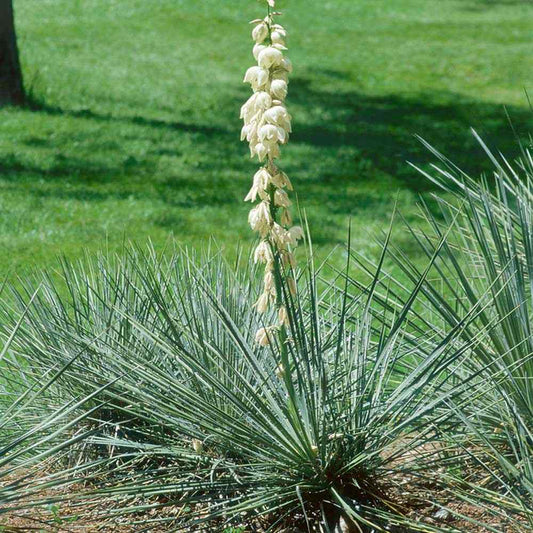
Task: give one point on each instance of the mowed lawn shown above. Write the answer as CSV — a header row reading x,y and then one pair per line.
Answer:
x,y
134,130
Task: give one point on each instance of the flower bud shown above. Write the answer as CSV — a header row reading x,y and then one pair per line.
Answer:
x,y
286,218
283,316
262,337
197,445
280,47
281,199
280,371
262,303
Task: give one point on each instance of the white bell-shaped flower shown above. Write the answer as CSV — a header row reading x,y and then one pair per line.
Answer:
x,y
260,183
283,136
245,131
286,218
279,36
280,179
262,101
260,150
279,235
257,77
279,89
257,49
270,57
292,285
257,103
286,64
268,134
263,253
283,316
288,259
259,218
268,282
295,234
279,116
251,133
260,32
280,74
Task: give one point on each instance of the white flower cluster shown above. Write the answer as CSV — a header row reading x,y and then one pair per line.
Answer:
x,y
267,125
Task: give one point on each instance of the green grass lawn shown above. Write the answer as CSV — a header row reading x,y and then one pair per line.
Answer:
x,y
135,131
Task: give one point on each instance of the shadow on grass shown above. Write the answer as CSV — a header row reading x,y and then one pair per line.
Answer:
x,y
380,131
61,168
484,5
504,2
348,149
135,120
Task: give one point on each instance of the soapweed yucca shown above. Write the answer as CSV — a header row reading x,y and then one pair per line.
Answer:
x,y
485,268
217,405
82,316
36,429
205,418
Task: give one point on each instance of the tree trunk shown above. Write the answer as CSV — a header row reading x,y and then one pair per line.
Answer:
x,y
11,88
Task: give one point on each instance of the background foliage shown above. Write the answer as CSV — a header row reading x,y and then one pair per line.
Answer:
x,y
135,128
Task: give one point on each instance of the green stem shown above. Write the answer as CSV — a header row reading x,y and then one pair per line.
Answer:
x,y
269,18
278,280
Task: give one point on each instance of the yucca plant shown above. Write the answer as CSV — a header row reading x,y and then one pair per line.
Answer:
x,y
484,268
36,429
208,421
323,409
83,314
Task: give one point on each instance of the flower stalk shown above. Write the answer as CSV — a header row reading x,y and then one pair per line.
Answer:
x,y
267,126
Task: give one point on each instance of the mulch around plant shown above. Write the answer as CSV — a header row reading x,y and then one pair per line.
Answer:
x,y
69,516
